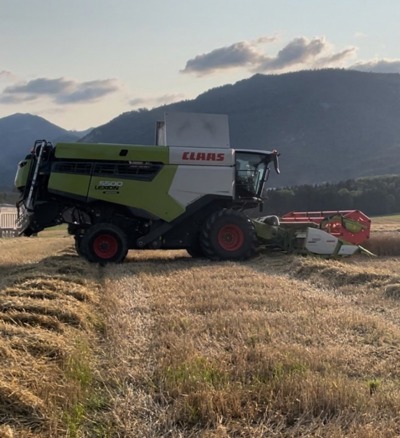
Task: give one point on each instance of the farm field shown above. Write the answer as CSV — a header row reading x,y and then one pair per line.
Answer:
x,y
164,345
387,223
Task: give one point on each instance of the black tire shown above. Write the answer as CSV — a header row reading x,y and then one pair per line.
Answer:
x,y
228,235
104,243
195,252
78,245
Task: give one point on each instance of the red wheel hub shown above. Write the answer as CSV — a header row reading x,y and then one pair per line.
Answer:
x,y
105,246
230,237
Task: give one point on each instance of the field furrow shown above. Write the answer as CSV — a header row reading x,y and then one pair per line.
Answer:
x,y
48,324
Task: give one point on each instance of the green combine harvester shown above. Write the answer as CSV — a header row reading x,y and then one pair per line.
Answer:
x,y
191,190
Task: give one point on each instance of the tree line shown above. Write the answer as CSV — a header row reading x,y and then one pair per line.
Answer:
x,y
378,195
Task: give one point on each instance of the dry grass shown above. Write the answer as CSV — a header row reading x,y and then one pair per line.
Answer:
x,y
279,346
384,243
385,236
386,223
47,321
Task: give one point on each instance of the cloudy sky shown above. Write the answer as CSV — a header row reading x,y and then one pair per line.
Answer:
x,y
80,63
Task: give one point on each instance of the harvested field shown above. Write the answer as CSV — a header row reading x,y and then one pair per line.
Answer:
x,y
48,320
164,345
385,236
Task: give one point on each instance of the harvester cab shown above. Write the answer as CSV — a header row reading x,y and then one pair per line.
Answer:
x,y
252,172
191,190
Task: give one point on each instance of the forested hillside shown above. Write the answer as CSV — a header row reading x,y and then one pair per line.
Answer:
x,y
373,196
329,125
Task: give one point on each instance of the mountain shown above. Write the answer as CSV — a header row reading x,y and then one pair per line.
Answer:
x,y
18,133
329,125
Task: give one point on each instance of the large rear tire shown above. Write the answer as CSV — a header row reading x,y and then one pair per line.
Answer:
x,y
228,235
104,243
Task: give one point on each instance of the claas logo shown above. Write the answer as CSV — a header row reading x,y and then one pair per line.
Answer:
x,y
203,156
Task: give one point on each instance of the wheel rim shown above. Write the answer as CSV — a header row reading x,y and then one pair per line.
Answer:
x,y
230,237
105,246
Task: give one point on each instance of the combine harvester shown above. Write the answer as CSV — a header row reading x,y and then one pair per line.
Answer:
x,y
190,191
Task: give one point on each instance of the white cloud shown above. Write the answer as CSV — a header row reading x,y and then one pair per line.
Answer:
x,y
169,98
237,55
339,59
59,90
149,102
138,101
378,66
7,76
300,53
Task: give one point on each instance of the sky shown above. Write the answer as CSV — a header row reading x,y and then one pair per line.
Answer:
x,y
81,63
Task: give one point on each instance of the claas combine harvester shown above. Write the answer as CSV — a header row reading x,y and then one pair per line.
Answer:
x,y
191,190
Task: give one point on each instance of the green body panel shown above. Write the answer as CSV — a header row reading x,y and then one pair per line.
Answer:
x,y
69,183
111,152
21,177
151,196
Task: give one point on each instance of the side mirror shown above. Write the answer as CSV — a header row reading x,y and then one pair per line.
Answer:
x,y
275,155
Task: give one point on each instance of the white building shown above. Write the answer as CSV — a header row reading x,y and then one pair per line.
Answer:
x,y
8,218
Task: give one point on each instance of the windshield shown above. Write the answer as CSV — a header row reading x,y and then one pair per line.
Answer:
x,y
251,172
